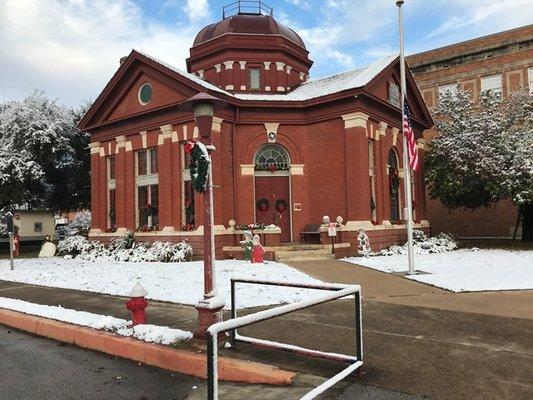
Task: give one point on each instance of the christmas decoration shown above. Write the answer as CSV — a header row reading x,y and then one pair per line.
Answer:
x,y
257,251
281,205
199,165
263,205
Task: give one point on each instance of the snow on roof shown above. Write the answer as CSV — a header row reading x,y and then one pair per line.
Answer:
x,y
307,90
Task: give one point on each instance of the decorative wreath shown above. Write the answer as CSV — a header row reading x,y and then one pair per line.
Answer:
x,y
199,165
263,205
281,205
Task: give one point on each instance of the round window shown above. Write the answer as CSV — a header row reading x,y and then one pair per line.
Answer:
x,y
145,93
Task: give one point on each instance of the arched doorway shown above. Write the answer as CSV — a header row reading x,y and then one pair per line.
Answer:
x,y
394,186
272,191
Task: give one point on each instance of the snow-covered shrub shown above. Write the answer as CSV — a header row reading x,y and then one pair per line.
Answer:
x,y
75,245
82,220
124,249
440,243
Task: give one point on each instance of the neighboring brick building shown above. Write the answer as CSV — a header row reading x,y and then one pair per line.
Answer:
x,y
501,62
288,150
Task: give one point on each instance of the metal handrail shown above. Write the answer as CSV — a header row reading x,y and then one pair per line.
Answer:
x,y
246,7
338,291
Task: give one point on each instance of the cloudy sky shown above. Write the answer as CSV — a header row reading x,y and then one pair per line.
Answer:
x,y
71,48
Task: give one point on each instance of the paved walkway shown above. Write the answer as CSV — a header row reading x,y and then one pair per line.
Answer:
x,y
390,288
418,339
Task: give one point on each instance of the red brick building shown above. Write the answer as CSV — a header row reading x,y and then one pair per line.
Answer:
x,y
289,150
502,62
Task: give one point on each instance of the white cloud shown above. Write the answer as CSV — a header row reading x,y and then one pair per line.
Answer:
x,y
476,14
299,3
196,9
71,48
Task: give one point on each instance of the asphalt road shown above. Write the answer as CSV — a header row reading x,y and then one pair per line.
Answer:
x,y
33,368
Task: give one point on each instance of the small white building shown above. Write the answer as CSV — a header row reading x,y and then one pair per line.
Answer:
x,y
34,224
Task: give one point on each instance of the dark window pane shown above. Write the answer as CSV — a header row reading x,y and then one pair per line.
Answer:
x,y
143,205
112,210
154,201
153,161
145,93
141,162
189,205
111,167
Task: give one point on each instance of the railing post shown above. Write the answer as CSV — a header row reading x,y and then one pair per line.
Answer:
x,y
212,376
359,327
233,332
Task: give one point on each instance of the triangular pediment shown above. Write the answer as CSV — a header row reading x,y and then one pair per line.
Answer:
x,y
120,98
386,87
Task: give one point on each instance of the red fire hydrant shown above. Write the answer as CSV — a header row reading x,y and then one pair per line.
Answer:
x,y
16,245
137,304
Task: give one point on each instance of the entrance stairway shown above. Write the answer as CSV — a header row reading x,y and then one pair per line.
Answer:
x,y
303,252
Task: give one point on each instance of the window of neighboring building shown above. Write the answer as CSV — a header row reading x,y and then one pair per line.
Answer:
x,y
372,175
38,227
492,83
530,79
147,196
450,88
255,78
111,204
187,198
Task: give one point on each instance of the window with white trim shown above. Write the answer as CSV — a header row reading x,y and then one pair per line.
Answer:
x,y
147,194
255,78
111,204
492,83
450,88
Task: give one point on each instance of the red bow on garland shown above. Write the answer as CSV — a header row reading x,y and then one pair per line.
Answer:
x,y
189,146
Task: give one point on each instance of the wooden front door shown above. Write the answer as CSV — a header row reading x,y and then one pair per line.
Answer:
x,y
272,203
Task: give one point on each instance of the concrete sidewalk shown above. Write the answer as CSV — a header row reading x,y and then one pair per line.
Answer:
x,y
429,347
394,289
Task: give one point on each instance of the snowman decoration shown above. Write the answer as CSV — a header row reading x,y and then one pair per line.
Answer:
x,y
363,243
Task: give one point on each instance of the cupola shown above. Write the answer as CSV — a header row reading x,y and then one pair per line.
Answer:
x,y
249,51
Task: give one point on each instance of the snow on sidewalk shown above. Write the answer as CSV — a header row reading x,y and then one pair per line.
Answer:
x,y
148,333
173,282
462,270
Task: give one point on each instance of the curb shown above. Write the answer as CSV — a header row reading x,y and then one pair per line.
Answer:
x,y
182,361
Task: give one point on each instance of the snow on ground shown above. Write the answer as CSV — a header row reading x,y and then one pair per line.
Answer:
x,y
148,333
462,270
174,282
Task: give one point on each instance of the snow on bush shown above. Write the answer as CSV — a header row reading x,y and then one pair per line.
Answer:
x,y
82,220
124,249
423,245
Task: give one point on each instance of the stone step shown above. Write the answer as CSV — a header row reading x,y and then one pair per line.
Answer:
x,y
297,253
304,258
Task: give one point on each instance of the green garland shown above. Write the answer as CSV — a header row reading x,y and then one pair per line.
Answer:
x,y
199,167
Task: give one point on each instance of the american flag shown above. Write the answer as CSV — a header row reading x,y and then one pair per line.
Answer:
x,y
410,136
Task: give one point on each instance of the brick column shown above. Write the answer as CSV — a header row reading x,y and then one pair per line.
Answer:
x,y
245,209
101,202
176,183
356,162
120,183
300,194
164,172
96,222
227,76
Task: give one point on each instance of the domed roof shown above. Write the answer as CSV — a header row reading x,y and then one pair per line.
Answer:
x,y
247,23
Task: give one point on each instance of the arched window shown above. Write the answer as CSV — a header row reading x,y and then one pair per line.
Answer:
x,y
394,186
271,157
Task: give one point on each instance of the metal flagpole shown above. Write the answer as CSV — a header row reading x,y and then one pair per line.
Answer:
x,y
408,210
